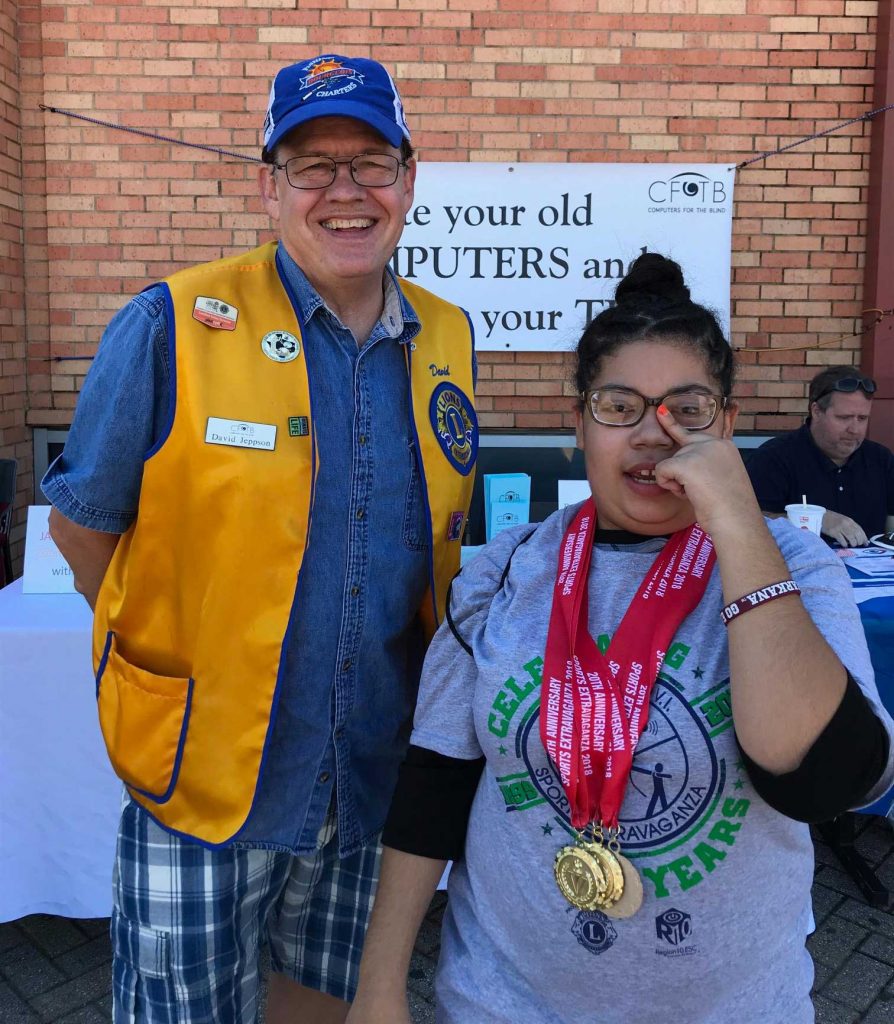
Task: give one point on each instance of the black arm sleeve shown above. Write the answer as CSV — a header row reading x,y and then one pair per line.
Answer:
x,y
430,809
846,760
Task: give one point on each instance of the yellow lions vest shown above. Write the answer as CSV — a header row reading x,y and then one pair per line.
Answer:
x,y
192,612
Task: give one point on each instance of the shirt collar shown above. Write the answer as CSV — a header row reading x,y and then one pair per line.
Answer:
x,y
398,319
625,539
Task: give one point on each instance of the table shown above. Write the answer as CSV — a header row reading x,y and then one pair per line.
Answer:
x,y
875,598
877,616
59,799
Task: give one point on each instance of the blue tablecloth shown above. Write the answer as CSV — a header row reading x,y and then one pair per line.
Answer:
x,y
877,615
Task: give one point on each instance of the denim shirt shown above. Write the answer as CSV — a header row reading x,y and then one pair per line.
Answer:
x,y
354,645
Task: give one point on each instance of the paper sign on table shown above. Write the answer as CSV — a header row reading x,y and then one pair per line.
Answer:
x,y
869,561
883,566
869,590
46,571
865,554
573,491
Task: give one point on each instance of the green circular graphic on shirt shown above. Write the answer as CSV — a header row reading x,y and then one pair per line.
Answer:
x,y
675,778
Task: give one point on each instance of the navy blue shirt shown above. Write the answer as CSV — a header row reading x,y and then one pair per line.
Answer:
x,y
785,468
354,645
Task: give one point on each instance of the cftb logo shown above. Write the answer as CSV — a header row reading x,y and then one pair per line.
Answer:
x,y
673,926
242,428
688,187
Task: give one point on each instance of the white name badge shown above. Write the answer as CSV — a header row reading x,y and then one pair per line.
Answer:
x,y
215,313
241,434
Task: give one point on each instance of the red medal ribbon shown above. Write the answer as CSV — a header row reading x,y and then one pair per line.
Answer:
x,y
593,707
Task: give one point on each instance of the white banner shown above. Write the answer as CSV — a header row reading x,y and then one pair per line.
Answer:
x,y
535,251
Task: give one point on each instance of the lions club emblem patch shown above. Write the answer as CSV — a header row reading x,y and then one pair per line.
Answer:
x,y
455,425
594,931
280,346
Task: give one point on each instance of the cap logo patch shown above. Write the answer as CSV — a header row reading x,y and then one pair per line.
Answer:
x,y
337,86
328,77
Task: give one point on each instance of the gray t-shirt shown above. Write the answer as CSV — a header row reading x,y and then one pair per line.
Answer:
x,y
720,936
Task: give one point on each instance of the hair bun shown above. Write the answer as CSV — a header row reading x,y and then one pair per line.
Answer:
x,y
652,280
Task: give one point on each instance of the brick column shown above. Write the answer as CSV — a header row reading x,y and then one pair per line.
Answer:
x,y
878,349
14,436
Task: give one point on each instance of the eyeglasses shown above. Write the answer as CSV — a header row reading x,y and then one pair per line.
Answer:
x,y
624,407
371,170
848,385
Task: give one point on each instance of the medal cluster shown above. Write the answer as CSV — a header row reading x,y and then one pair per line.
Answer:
x,y
595,704
594,875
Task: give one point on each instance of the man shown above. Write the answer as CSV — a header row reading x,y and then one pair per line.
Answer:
x,y
829,461
262,497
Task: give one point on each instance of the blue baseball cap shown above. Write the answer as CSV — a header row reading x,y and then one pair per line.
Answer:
x,y
335,86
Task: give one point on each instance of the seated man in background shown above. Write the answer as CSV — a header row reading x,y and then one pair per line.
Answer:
x,y
830,461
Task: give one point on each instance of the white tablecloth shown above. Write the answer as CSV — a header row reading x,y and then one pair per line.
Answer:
x,y
59,799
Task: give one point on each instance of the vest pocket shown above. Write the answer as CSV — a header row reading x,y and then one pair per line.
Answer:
x,y
415,532
143,717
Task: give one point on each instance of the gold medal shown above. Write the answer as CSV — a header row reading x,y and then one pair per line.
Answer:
x,y
611,869
631,897
596,876
589,876
580,877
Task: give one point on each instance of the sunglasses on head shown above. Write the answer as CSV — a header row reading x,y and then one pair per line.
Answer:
x,y
848,385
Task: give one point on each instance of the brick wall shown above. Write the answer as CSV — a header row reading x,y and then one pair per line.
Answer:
x,y
14,439
552,80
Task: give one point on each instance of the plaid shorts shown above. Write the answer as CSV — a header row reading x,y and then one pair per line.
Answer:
x,y
188,923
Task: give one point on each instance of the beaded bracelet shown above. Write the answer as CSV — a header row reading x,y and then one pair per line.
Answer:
x,y
757,597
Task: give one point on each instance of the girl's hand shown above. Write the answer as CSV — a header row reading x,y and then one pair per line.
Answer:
x,y
707,470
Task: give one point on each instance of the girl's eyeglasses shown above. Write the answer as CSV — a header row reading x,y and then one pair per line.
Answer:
x,y
624,407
